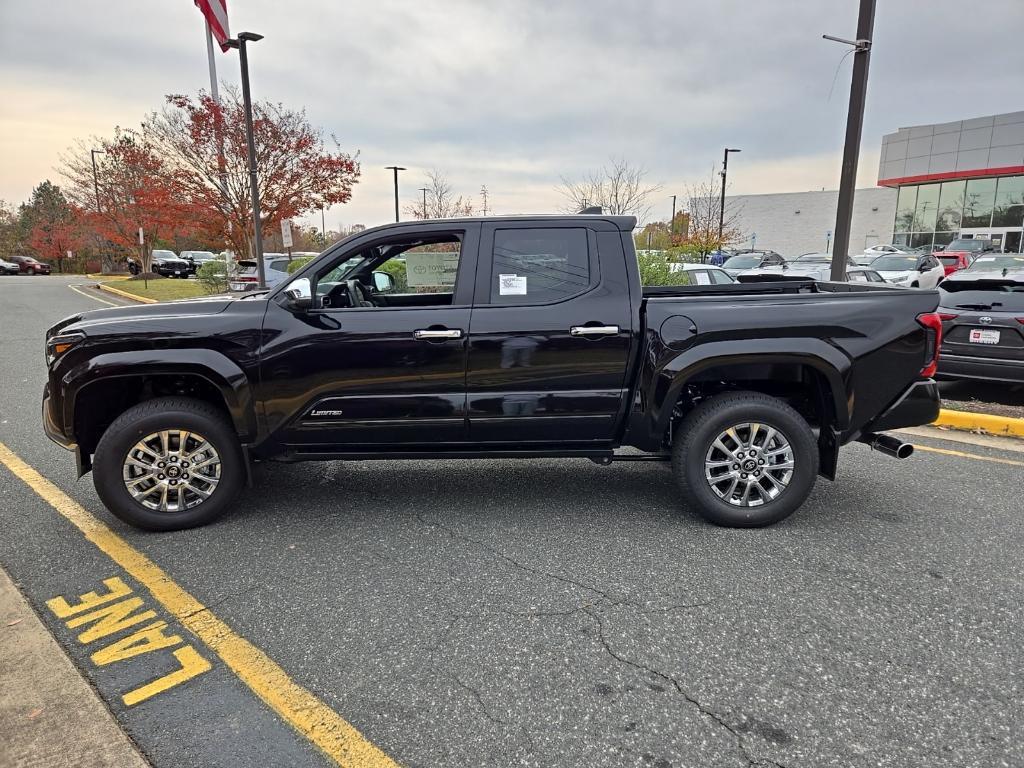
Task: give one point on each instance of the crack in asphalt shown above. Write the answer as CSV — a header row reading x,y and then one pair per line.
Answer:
x,y
704,711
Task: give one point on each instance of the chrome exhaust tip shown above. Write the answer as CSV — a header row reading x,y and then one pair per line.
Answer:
x,y
889,445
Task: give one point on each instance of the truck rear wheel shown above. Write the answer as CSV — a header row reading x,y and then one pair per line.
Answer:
x,y
169,463
745,459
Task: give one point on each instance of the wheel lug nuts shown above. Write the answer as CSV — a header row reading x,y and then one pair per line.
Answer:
x,y
161,465
185,476
760,461
735,466
159,477
174,482
744,475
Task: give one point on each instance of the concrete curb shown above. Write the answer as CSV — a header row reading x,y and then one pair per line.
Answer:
x,y
100,276
126,295
1003,426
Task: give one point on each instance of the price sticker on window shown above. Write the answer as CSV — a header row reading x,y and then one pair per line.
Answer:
x,y
512,285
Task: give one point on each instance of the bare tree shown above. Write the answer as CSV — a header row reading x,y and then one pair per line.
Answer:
x,y
618,188
440,200
705,202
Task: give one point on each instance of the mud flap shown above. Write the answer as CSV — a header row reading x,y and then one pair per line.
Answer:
x,y
828,452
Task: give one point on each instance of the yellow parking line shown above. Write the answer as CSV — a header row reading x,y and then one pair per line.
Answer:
x,y
94,298
963,455
298,707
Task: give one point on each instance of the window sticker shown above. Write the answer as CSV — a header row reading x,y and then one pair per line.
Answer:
x,y
512,285
703,278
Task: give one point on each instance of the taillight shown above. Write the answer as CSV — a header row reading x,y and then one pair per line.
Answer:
x,y
1020,320
945,317
932,322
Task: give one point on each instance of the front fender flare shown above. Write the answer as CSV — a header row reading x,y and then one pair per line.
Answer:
x,y
220,371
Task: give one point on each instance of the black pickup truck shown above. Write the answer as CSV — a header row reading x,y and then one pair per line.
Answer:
x,y
518,337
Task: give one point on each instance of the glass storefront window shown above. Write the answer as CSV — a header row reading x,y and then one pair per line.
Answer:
x,y
951,205
921,238
902,240
905,208
944,238
927,208
1009,208
978,202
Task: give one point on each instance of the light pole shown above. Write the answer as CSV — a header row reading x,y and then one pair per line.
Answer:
x,y
721,204
396,169
323,227
424,190
672,221
254,187
854,126
95,176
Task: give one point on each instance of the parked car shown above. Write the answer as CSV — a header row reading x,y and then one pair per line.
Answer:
x,y
246,277
749,390
169,264
873,252
982,312
961,252
863,275
752,259
196,259
29,266
9,268
954,261
699,274
810,266
910,271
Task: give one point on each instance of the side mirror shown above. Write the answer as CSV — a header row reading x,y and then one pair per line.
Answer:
x,y
924,267
383,282
299,294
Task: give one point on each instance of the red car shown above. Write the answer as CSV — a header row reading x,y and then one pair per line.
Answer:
x,y
962,252
29,266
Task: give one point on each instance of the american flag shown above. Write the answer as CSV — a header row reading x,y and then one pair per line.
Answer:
x,y
216,13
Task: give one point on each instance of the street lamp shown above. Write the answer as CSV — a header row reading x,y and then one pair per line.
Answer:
x,y
721,206
254,187
95,176
396,169
424,190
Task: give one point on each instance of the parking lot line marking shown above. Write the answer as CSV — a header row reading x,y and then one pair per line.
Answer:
x,y
961,454
321,725
94,298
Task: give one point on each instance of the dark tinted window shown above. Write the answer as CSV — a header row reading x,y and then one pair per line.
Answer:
x,y
721,277
533,266
1008,297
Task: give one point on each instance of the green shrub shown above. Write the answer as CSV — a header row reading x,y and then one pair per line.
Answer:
x,y
213,276
298,263
396,269
654,269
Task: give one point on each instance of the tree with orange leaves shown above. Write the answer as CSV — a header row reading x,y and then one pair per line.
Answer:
x,y
135,193
297,171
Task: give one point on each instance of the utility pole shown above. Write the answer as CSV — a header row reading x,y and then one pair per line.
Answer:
x,y
95,175
854,126
672,221
396,169
254,185
483,193
424,190
721,203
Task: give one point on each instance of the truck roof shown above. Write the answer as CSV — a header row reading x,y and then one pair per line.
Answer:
x,y
624,223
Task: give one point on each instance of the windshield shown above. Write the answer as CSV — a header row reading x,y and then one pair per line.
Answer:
x,y
815,258
743,261
996,263
247,267
201,255
974,246
1001,295
164,255
894,263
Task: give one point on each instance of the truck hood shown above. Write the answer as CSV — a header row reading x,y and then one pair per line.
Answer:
x,y
83,321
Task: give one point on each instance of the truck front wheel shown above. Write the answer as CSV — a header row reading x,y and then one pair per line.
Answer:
x,y
169,463
745,459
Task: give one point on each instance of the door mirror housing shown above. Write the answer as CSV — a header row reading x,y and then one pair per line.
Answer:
x,y
299,294
383,282
924,267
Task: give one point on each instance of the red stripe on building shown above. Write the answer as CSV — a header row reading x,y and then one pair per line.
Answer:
x,y
898,181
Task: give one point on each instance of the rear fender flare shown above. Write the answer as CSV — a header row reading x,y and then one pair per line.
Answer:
x,y
224,374
824,358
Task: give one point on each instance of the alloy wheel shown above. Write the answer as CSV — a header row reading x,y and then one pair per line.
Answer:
x,y
171,470
749,464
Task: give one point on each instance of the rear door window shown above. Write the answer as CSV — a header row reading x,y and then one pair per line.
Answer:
x,y
540,265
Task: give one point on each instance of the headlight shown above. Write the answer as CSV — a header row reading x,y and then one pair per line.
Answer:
x,y
61,343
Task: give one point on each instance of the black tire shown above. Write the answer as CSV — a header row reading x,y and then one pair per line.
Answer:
x,y
149,417
698,432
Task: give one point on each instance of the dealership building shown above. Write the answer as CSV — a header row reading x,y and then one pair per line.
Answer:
x,y
935,182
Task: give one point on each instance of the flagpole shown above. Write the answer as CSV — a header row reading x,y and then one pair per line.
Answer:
x,y
213,64
215,95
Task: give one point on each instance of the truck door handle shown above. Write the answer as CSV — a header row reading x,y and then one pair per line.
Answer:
x,y
430,334
594,330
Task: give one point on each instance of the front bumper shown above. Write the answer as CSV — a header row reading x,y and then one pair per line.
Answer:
x,y
918,405
50,425
980,368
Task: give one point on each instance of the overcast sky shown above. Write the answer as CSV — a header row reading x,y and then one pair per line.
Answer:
x,y
515,95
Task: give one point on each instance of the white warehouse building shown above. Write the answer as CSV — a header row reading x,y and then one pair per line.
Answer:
x,y
792,223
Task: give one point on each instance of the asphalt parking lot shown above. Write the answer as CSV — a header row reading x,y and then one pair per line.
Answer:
x,y
543,613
